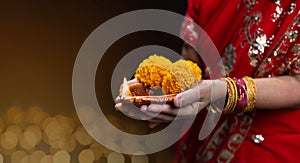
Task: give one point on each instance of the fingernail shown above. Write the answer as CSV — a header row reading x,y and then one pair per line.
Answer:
x,y
118,106
178,100
144,108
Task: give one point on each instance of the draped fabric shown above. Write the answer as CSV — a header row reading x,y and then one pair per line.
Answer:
x,y
256,38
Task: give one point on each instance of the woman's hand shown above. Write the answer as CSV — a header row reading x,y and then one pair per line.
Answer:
x,y
188,103
131,110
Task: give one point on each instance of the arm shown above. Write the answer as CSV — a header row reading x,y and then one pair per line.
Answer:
x,y
272,93
278,92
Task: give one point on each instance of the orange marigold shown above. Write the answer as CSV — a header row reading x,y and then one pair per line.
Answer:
x,y
172,78
184,74
152,70
197,71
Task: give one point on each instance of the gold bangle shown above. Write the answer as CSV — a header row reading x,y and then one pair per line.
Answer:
x,y
229,97
235,94
251,93
232,96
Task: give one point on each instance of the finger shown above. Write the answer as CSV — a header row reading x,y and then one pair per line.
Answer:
x,y
164,116
132,112
153,124
118,106
117,99
187,97
190,110
160,108
144,109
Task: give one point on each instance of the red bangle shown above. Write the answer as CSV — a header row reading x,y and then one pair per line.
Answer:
x,y
242,95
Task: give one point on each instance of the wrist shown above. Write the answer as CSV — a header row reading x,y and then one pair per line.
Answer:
x,y
218,90
241,95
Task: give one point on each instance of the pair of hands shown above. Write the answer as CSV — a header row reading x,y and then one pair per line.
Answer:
x,y
186,104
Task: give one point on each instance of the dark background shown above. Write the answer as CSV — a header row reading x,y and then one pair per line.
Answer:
x,y
39,41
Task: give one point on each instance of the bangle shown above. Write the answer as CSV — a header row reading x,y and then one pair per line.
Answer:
x,y
232,95
229,97
251,93
242,95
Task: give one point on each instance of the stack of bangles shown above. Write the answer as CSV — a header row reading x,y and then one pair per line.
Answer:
x,y
241,95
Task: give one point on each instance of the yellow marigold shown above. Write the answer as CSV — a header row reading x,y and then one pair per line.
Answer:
x,y
170,84
152,70
197,71
172,78
182,78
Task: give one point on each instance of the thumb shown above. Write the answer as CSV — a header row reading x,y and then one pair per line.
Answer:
x,y
187,97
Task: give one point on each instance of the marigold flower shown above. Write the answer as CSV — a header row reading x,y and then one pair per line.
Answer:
x,y
152,70
184,74
197,71
172,78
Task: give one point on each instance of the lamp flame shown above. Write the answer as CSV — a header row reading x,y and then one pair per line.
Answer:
x,y
125,90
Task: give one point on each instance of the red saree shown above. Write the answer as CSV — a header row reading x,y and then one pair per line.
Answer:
x,y
257,38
